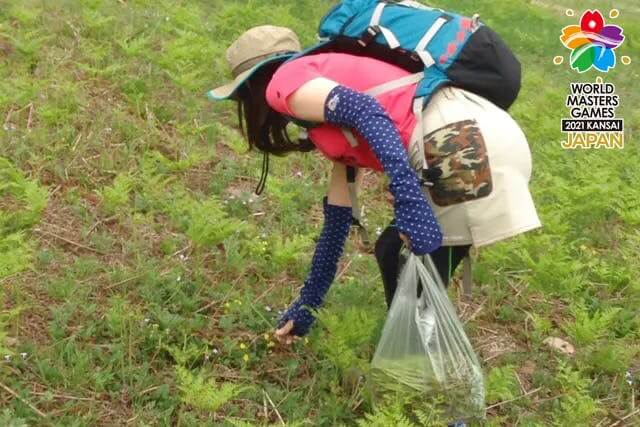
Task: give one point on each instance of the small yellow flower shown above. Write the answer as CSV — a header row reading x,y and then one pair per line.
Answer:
x,y
271,344
226,304
238,302
242,346
266,337
245,357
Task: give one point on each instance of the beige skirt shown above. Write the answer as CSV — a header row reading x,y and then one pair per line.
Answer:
x,y
484,165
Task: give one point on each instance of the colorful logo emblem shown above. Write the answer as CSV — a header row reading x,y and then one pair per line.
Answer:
x,y
592,42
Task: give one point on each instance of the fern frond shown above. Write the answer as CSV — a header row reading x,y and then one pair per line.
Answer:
x,y
204,394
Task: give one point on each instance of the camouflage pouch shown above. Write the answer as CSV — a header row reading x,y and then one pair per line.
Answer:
x,y
458,152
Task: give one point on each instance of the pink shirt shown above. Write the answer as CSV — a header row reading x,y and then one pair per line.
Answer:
x,y
357,73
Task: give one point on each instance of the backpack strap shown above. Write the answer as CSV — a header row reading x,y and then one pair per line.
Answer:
x,y
382,89
375,28
428,175
414,4
351,138
466,276
355,207
395,84
421,47
351,183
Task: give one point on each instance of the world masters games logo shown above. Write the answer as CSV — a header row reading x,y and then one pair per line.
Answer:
x,y
591,121
593,43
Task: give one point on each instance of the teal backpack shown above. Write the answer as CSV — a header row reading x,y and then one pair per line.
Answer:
x,y
440,48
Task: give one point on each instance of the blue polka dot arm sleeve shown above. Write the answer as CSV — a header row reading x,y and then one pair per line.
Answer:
x,y
337,221
414,216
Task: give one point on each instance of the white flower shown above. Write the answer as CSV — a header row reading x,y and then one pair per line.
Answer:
x,y
629,378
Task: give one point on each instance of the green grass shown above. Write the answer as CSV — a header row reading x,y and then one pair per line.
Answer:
x,y
140,278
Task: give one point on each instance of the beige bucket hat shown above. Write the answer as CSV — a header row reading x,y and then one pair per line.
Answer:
x,y
253,49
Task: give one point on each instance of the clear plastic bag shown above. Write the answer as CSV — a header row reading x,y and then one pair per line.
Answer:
x,y
424,346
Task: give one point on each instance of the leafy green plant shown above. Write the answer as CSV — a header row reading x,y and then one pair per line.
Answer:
x,y
542,326
287,251
406,408
15,254
207,224
588,328
501,384
187,354
9,419
575,406
205,394
116,195
389,416
346,337
5,317
25,199
608,358
22,202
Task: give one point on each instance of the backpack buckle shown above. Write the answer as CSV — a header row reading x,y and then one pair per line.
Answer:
x,y
369,35
429,176
361,230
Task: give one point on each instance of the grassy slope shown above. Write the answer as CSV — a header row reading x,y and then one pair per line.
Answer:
x,y
151,272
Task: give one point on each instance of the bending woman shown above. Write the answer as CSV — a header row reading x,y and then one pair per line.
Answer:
x,y
481,157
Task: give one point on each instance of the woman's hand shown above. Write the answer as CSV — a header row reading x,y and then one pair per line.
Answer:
x,y
284,335
406,240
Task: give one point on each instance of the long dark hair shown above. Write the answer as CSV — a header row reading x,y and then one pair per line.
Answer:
x,y
263,127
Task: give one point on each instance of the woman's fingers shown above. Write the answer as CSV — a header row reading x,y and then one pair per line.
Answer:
x,y
288,339
283,335
285,329
406,240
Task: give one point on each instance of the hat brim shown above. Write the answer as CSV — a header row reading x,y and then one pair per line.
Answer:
x,y
226,91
